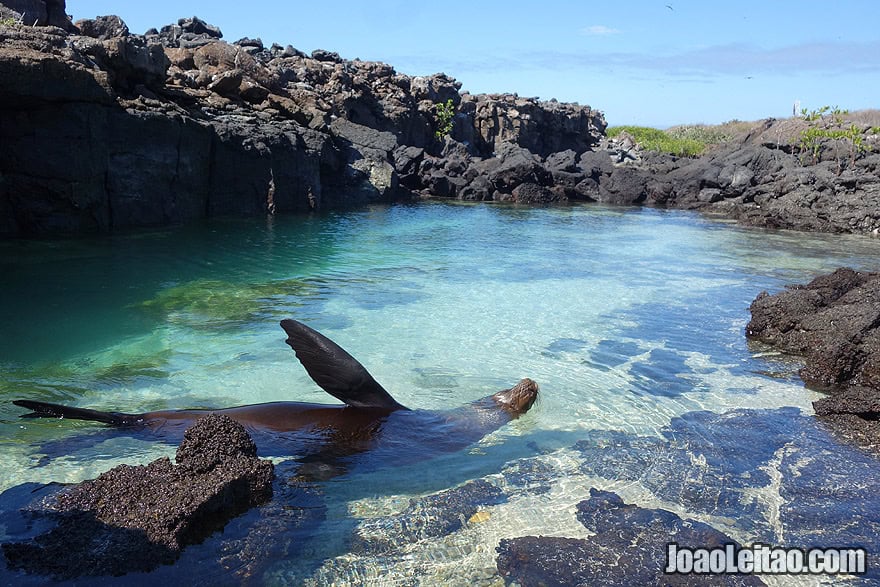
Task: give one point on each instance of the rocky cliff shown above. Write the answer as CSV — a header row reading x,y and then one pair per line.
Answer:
x,y
104,129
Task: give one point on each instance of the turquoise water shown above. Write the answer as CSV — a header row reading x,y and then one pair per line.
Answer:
x,y
625,317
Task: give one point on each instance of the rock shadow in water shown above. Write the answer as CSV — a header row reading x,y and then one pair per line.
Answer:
x,y
609,354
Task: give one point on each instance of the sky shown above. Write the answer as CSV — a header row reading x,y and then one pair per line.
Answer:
x,y
646,62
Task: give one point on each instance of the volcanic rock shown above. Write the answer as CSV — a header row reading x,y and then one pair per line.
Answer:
x,y
135,518
834,323
629,547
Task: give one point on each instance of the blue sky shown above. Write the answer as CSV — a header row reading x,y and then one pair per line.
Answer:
x,y
655,63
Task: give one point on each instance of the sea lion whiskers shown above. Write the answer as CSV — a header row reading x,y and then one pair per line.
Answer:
x,y
519,398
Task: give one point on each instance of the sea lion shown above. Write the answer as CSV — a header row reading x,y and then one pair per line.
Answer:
x,y
370,420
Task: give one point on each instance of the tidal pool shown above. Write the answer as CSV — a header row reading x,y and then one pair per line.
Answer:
x,y
628,318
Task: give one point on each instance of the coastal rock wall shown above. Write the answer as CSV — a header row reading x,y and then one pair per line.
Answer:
x,y
542,127
82,155
103,129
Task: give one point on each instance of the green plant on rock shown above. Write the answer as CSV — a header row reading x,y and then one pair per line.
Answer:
x,y
14,19
814,115
811,141
830,127
445,116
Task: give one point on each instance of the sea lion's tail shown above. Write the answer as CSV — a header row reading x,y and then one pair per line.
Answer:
x,y
47,410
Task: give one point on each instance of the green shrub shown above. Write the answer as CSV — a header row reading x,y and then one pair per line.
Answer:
x,y
653,139
827,124
710,135
445,114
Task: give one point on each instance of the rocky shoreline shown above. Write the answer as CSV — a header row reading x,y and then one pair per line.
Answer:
x,y
834,324
106,130
159,522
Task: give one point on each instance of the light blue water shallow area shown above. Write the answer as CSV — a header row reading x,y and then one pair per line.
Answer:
x,y
626,317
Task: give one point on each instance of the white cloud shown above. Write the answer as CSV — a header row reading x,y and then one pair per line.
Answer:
x,y
599,30
702,64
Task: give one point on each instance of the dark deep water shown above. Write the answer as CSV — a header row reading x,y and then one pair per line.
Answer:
x,y
631,320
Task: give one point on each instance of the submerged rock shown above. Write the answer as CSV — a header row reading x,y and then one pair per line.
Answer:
x,y
629,547
530,475
794,485
427,517
135,518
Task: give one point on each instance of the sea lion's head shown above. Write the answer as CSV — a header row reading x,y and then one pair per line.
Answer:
x,y
519,398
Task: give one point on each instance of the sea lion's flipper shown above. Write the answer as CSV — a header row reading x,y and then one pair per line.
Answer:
x,y
47,410
334,370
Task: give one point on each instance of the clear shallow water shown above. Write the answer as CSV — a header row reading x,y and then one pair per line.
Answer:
x,y
626,318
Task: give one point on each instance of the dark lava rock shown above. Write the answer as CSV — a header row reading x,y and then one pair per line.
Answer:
x,y
532,193
239,129
274,531
542,127
197,110
629,548
516,165
761,180
323,55
197,26
135,518
103,27
39,13
782,476
427,517
834,323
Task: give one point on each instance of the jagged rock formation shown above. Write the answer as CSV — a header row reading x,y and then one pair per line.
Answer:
x,y
36,13
136,518
834,323
762,179
104,129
